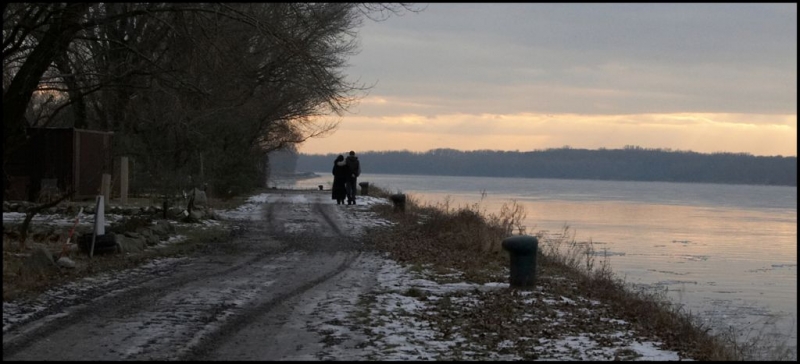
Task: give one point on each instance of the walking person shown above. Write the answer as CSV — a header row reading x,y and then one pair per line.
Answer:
x,y
355,171
341,173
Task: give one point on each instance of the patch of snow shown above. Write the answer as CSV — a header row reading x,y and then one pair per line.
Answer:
x,y
58,219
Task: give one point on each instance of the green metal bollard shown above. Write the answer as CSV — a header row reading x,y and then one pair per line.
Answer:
x,y
522,249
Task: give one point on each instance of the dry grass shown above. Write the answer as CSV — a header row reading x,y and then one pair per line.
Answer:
x,y
444,236
21,283
18,281
213,202
468,239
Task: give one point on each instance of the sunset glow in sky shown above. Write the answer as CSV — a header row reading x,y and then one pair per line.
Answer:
x,y
700,77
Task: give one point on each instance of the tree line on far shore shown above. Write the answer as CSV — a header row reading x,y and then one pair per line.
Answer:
x,y
631,163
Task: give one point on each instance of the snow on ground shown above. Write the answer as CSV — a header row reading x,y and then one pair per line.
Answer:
x,y
398,329
58,219
64,224
393,320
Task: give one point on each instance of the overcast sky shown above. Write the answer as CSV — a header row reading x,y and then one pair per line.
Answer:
x,y
701,77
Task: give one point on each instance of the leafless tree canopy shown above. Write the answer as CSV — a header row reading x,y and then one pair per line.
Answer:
x,y
190,89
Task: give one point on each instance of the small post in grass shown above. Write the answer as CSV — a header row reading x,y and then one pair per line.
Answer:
x,y
522,249
364,188
399,201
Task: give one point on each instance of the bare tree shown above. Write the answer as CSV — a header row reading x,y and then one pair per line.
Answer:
x,y
58,23
178,83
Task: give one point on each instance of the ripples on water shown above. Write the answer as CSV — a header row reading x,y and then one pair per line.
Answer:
x,y
727,253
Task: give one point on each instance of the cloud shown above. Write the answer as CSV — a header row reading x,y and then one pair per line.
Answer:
x,y
587,58
702,77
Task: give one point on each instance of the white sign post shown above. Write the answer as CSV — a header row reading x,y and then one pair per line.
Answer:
x,y
99,222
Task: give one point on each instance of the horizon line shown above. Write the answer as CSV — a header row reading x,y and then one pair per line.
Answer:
x,y
632,147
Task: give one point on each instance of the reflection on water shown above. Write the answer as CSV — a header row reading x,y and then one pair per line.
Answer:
x,y
725,252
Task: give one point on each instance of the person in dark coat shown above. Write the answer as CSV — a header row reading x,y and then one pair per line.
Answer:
x,y
355,171
341,172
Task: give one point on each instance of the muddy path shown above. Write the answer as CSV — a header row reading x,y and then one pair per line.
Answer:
x,y
248,298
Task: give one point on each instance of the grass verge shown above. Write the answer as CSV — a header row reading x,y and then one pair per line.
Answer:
x,y
19,282
467,239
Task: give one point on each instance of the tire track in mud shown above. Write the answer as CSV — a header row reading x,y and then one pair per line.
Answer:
x,y
214,340
176,302
321,223
326,216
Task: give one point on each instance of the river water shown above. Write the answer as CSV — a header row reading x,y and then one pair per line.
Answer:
x,y
727,253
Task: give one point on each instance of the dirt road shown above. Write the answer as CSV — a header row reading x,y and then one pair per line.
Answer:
x,y
249,298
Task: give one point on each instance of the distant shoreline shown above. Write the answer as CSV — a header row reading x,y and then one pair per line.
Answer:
x,y
630,164
295,176
572,179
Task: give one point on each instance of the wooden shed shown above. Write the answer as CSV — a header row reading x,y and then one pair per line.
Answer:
x,y
60,157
